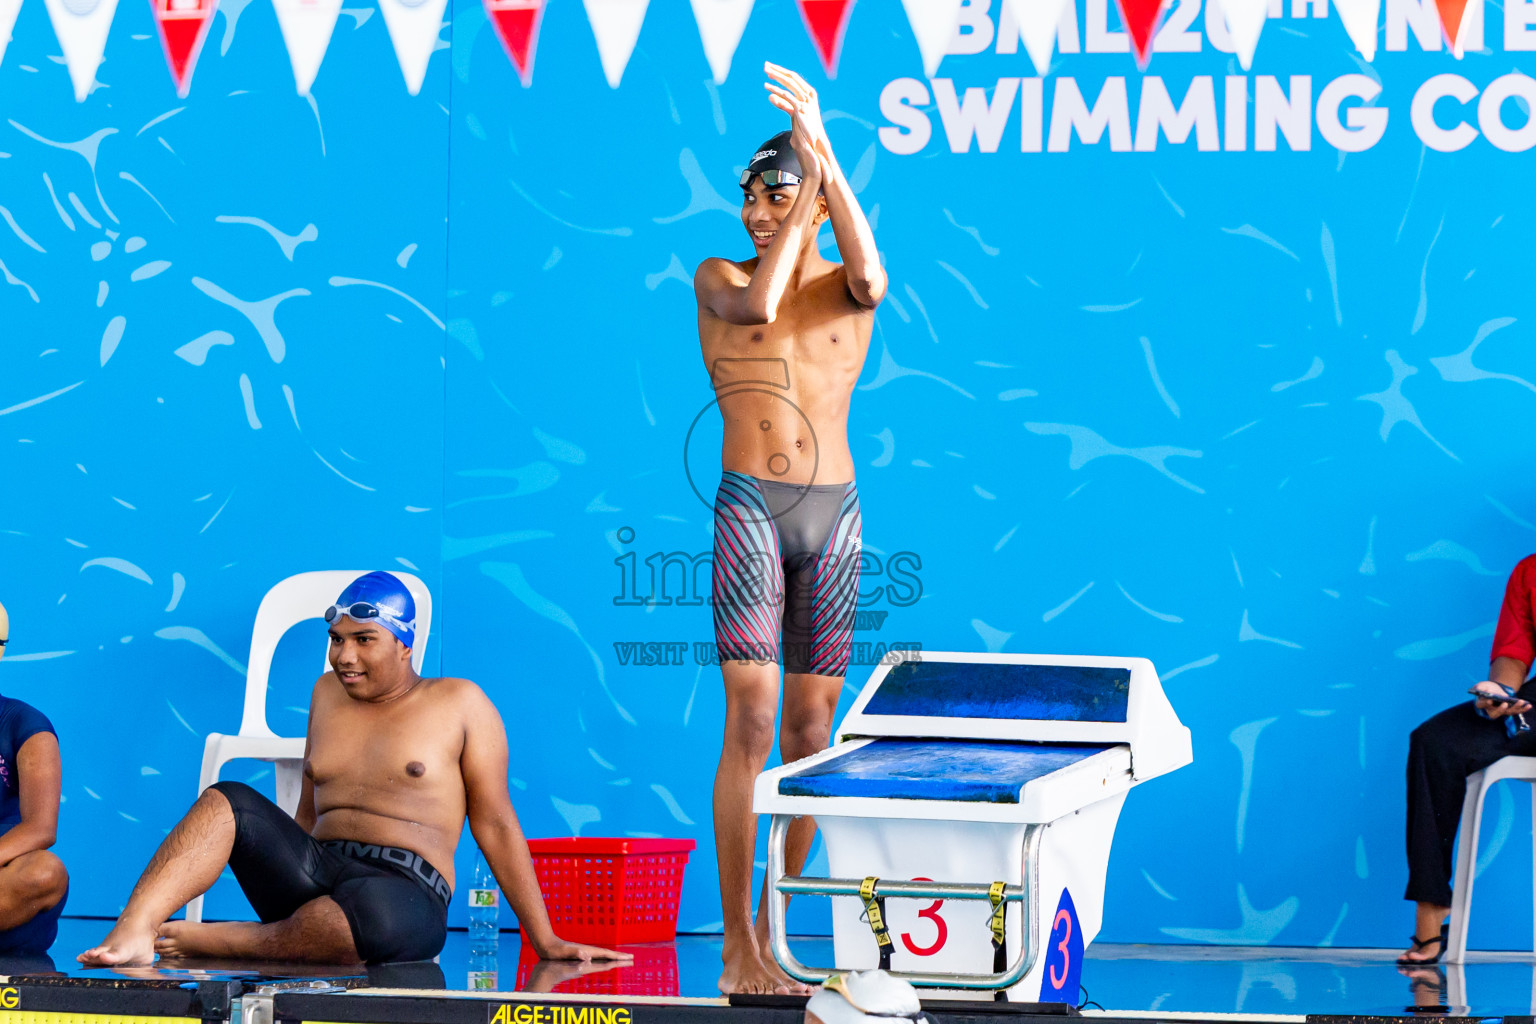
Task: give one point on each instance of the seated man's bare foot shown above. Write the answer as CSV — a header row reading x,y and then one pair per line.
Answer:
x,y
744,973
123,945
171,943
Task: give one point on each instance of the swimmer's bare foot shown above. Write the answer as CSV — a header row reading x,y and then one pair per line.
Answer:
x,y
765,954
745,973
789,984
179,939
124,944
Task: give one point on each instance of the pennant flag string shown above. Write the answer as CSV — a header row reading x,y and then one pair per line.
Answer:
x,y
616,27
827,21
414,27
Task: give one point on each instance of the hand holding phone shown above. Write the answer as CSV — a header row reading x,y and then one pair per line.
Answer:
x,y
1497,698
1494,702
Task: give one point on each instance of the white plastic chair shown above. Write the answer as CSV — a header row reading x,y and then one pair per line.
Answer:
x,y
292,601
1520,769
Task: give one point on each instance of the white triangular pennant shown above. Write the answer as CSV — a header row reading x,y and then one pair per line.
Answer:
x,y
1245,22
933,23
82,27
306,26
1361,19
616,25
8,12
721,23
413,27
1038,22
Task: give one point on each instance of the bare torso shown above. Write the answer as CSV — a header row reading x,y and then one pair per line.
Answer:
x,y
784,387
389,773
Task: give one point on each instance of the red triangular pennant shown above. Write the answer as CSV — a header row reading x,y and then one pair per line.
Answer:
x,y
183,25
517,25
826,21
1140,18
1451,12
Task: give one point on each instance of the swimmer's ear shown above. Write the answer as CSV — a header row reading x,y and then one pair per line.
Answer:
x,y
822,213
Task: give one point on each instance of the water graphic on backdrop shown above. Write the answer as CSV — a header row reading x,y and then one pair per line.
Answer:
x,y
1265,428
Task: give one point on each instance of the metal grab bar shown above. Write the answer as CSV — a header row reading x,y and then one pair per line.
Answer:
x,y
1028,895
903,890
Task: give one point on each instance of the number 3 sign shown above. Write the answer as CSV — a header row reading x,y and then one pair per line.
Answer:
x,y
1063,955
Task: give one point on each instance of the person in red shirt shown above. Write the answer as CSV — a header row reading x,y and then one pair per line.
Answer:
x,y
1458,742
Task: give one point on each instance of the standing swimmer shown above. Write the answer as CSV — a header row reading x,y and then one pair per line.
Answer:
x,y
783,335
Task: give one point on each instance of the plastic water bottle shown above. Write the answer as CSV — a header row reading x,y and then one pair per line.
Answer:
x,y
484,907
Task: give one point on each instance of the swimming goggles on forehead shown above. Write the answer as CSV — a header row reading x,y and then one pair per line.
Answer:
x,y
362,611
838,983
772,178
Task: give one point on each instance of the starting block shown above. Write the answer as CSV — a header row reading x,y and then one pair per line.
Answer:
x,y
978,794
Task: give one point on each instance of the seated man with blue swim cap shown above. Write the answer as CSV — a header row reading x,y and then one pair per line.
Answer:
x,y
393,764
33,882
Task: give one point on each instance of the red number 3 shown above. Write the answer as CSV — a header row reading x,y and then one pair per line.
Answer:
x,y
1062,918
941,934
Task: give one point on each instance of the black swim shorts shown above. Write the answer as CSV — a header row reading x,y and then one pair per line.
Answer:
x,y
786,570
395,902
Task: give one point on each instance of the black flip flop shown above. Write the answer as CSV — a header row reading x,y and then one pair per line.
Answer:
x,y
1419,944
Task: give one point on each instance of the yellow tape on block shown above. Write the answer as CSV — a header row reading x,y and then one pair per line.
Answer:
x,y
56,1017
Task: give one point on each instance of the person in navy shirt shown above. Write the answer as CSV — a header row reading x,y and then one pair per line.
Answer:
x,y
33,882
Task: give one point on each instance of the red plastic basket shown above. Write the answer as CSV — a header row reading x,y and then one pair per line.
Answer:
x,y
611,891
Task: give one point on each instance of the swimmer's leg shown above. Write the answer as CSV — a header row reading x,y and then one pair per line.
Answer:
x,y
187,864
820,604
810,703
751,700
318,932
748,599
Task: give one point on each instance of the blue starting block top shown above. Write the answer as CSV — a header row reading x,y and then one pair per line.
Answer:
x,y
1000,690
954,770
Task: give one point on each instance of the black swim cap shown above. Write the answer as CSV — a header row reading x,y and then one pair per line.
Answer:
x,y
778,154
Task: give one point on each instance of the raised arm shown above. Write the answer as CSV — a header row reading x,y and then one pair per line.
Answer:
x,y
855,238
494,825
41,775
729,292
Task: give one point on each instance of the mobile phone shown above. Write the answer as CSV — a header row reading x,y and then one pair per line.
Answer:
x,y
1499,699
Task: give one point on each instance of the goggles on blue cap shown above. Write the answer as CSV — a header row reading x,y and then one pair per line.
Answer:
x,y
378,597
362,611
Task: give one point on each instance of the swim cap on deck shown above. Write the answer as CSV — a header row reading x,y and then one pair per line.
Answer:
x,y
776,153
863,996
379,597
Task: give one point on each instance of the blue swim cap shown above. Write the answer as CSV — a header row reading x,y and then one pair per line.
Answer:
x,y
378,597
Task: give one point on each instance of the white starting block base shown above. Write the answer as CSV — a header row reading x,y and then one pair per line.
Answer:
x,y
957,771
952,936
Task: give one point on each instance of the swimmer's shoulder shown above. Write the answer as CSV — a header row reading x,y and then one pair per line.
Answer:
x,y
718,270
459,692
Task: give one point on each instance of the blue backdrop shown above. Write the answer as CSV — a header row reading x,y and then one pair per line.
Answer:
x,y
1259,416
